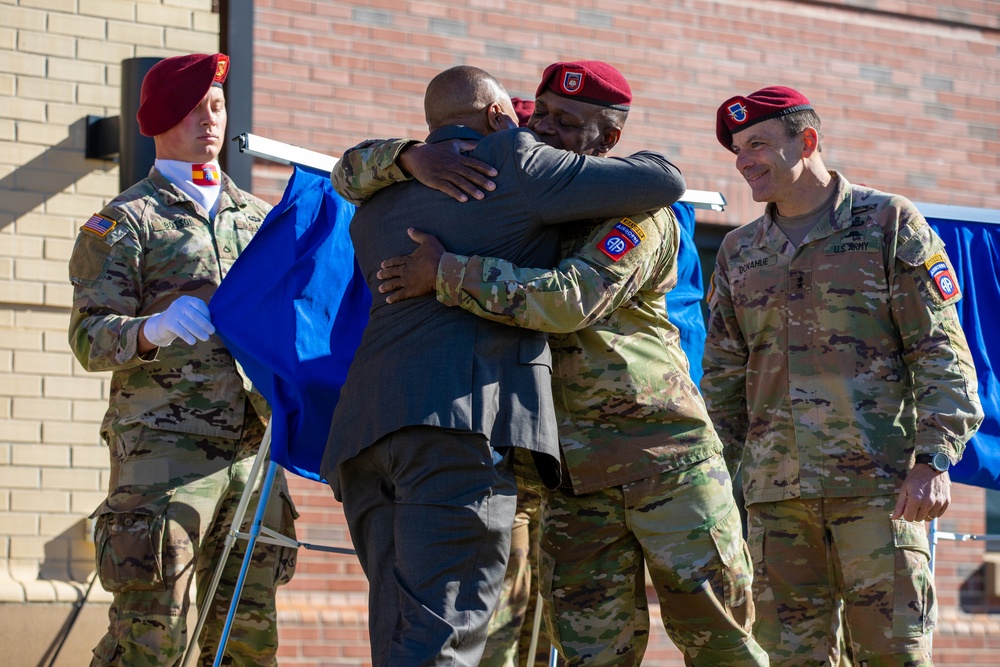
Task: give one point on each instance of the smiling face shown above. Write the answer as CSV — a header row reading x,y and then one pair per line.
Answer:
x,y
572,125
198,138
770,160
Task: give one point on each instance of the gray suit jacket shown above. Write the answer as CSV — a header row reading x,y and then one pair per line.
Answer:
x,y
421,363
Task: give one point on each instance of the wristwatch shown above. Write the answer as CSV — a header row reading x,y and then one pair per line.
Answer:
x,y
938,461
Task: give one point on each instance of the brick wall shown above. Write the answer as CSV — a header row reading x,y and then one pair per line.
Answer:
x,y
60,60
908,91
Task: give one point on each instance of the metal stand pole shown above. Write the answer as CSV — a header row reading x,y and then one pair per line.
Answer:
x,y
258,520
241,510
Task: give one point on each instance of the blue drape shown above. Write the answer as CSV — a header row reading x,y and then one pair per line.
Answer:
x,y
291,311
974,249
684,302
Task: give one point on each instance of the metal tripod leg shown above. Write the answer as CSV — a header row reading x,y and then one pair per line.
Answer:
x,y
258,520
241,510
535,631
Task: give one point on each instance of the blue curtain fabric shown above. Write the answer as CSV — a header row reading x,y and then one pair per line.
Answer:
x,y
291,311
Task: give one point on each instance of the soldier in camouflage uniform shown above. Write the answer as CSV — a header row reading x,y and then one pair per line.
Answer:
x,y
183,425
648,487
837,372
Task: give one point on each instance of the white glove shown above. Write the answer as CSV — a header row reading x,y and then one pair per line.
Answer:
x,y
186,318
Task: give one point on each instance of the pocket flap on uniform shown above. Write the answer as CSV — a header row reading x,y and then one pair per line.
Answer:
x,y
130,544
911,535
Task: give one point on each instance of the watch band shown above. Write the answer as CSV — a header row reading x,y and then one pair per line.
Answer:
x,y
939,461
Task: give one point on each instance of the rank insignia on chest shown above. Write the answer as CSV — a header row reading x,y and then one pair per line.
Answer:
x,y
99,225
620,240
940,273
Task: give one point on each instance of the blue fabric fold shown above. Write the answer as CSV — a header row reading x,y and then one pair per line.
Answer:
x,y
684,302
291,310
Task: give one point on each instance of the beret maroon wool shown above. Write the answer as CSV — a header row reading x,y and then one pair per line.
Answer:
x,y
174,86
738,113
590,81
523,108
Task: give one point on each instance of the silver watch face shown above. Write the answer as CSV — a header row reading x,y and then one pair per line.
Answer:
x,y
940,462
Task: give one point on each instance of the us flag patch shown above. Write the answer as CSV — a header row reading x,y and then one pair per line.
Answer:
x,y
620,240
99,225
939,272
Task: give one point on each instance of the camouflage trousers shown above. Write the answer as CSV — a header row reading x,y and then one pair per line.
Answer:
x,y
509,632
171,503
809,555
684,527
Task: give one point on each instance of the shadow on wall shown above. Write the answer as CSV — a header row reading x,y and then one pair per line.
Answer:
x,y
69,556
980,591
58,168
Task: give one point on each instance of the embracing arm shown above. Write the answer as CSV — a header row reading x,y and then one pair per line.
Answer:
x,y
566,187
579,291
377,163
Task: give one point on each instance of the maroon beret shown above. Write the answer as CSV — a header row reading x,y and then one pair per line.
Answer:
x,y
523,108
589,81
174,86
739,113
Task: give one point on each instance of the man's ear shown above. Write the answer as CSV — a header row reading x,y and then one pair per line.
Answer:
x,y
609,139
498,119
810,141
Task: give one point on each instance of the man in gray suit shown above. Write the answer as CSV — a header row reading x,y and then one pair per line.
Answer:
x,y
435,398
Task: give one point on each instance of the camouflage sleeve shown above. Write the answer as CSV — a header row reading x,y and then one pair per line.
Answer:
x,y
579,291
104,270
924,293
723,383
369,167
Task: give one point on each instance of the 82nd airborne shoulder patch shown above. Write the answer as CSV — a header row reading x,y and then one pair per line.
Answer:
x,y
620,240
939,271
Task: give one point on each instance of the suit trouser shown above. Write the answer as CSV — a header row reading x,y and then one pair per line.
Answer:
x,y
172,500
430,517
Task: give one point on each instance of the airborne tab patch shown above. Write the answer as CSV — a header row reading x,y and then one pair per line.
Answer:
x,y
940,273
620,240
98,225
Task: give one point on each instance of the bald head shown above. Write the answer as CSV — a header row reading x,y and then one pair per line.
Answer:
x,y
467,96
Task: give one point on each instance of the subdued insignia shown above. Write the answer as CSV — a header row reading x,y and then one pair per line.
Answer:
x,y
99,225
940,273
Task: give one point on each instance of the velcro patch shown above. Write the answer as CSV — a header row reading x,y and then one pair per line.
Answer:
x,y
98,225
940,273
620,240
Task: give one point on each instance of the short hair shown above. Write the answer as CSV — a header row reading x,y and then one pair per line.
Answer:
x,y
458,92
796,122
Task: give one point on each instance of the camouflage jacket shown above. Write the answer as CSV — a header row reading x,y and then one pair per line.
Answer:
x,y
625,402
626,406
828,366
159,245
